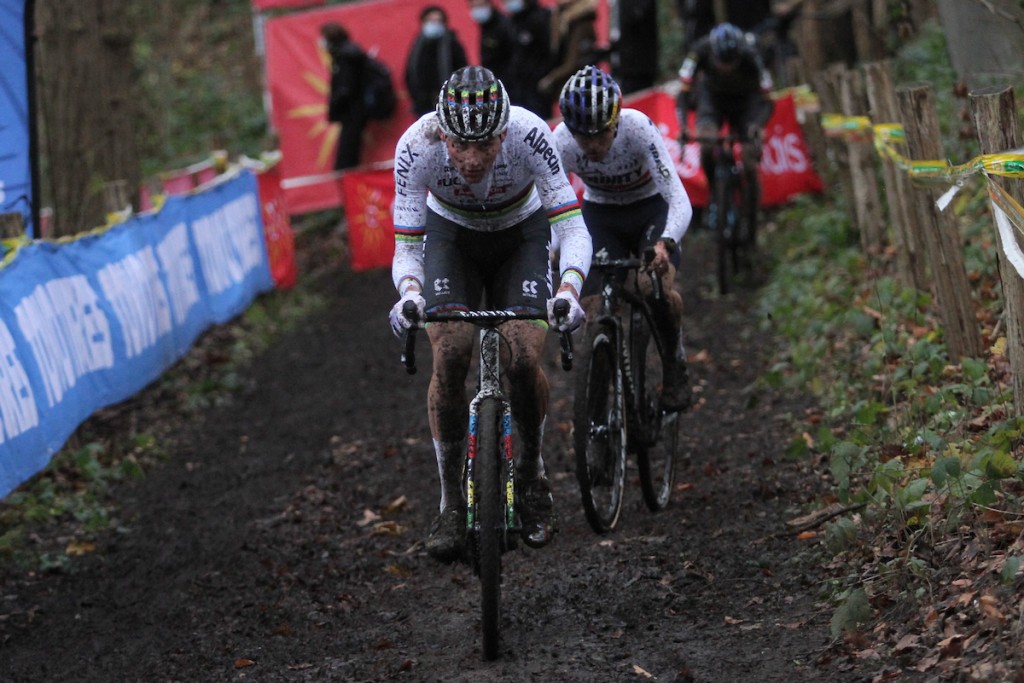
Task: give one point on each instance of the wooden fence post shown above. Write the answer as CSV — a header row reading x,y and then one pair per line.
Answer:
x,y
995,116
835,166
910,259
943,242
867,206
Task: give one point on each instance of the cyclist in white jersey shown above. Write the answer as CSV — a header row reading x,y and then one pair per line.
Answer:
x,y
479,188
633,199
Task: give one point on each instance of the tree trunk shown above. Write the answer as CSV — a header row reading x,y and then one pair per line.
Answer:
x,y
86,90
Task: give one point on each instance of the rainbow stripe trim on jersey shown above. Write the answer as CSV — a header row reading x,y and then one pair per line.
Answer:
x,y
409,233
565,211
493,211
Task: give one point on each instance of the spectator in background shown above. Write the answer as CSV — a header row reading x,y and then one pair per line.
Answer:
x,y
531,60
635,53
573,41
496,37
345,101
435,54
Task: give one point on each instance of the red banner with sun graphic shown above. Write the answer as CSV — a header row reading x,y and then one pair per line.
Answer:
x,y
277,229
297,84
368,197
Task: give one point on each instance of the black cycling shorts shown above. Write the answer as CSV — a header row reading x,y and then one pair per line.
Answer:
x,y
740,112
624,230
469,269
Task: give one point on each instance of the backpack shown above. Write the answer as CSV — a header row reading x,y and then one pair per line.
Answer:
x,y
378,92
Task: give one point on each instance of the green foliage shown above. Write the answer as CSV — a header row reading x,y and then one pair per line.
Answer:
x,y
854,611
201,84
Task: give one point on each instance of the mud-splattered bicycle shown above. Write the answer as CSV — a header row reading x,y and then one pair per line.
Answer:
x,y
493,525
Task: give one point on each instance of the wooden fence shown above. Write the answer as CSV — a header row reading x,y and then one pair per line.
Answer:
x,y
926,238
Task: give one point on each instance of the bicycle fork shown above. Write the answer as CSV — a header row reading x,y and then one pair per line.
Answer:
x,y
490,389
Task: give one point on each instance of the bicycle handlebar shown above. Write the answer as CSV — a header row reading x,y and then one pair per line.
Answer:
x,y
483,318
603,263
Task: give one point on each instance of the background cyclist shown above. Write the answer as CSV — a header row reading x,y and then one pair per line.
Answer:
x,y
479,189
633,198
725,80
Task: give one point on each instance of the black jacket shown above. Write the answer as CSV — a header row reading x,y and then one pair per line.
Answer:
x,y
431,61
532,57
347,64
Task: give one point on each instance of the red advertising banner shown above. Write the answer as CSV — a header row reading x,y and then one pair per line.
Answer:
x,y
786,168
277,228
297,83
368,198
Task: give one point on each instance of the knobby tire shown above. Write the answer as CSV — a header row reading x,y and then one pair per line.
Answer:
x,y
723,199
655,438
490,498
600,434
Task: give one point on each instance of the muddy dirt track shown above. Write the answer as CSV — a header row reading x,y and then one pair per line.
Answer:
x,y
281,542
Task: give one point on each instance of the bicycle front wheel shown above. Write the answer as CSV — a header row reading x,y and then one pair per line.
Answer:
x,y
599,433
488,494
725,198
657,434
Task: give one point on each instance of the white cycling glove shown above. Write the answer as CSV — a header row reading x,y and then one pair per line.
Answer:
x,y
577,316
399,322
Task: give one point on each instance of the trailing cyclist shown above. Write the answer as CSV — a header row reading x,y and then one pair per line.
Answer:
x,y
725,80
479,190
633,199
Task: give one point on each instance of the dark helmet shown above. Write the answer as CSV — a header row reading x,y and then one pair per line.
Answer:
x,y
590,101
726,40
473,105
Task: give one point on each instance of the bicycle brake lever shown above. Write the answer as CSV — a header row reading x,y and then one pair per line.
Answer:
x,y
561,311
655,279
410,311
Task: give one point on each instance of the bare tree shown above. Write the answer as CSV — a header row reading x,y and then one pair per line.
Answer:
x,y
86,104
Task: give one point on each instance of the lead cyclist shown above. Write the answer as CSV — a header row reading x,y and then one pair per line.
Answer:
x,y
479,188
633,198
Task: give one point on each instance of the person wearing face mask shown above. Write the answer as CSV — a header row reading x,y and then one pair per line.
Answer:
x,y
496,37
531,55
434,55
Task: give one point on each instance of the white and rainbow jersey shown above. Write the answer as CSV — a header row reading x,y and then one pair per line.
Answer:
x,y
637,166
526,175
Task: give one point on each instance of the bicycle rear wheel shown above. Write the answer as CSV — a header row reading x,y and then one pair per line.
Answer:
x,y
488,494
599,433
657,434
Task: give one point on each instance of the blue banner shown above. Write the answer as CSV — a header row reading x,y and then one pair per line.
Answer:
x,y
15,159
88,323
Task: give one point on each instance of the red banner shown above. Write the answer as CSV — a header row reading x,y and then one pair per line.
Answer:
x,y
297,81
785,168
368,198
277,228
